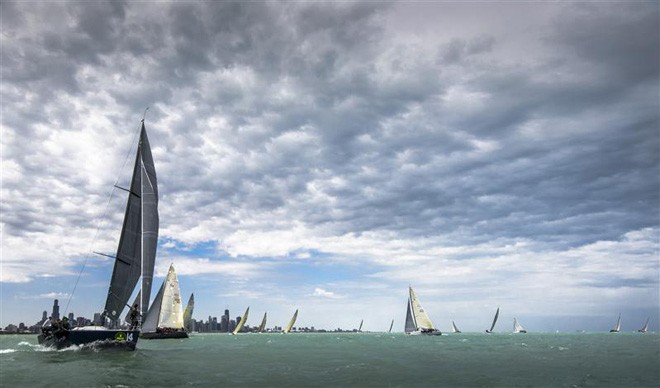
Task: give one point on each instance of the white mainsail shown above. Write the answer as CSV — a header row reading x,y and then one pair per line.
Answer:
x,y
262,327
188,311
291,322
645,328
517,327
242,322
166,311
492,326
617,327
454,329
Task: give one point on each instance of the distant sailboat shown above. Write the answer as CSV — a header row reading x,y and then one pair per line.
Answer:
x,y
187,313
292,322
646,327
517,327
417,321
262,327
391,325
242,322
454,329
497,314
360,328
617,327
165,316
134,260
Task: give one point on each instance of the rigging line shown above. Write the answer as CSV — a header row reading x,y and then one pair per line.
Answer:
x,y
103,219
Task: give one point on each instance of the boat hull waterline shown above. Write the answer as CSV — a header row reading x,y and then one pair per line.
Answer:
x,y
96,339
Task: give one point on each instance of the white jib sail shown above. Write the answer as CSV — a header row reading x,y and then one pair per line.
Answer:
x,y
171,312
421,318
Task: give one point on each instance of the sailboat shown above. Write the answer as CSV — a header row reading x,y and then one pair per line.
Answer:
x,y
135,259
262,326
240,324
288,327
417,321
492,326
454,329
391,325
360,328
617,327
187,313
646,327
517,327
165,316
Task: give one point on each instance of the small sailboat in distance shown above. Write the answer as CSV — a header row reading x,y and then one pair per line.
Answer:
x,y
517,327
242,322
617,327
492,326
360,328
187,313
417,321
454,329
391,325
292,322
262,327
646,327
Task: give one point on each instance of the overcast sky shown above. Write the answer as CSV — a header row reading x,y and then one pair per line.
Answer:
x,y
324,156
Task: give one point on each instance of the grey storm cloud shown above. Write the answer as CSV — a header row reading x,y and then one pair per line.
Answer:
x,y
269,107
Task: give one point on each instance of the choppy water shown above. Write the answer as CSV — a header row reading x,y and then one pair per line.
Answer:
x,y
348,359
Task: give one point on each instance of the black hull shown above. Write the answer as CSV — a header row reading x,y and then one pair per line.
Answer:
x,y
95,339
173,334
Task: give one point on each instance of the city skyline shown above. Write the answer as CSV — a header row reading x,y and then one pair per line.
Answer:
x,y
325,156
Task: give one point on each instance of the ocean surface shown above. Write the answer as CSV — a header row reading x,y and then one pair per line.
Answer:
x,y
344,359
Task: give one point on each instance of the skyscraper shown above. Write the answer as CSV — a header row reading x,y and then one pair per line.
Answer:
x,y
56,310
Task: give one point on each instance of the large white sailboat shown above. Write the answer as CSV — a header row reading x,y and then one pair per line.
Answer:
x,y
134,260
241,322
517,327
417,321
165,316
292,322
492,326
617,327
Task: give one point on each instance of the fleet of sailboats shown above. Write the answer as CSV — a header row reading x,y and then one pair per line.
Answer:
x,y
165,316
134,260
417,321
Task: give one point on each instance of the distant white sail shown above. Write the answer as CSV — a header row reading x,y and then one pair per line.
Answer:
x,y
262,327
291,322
646,326
492,326
454,329
242,321
617,327
517,327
